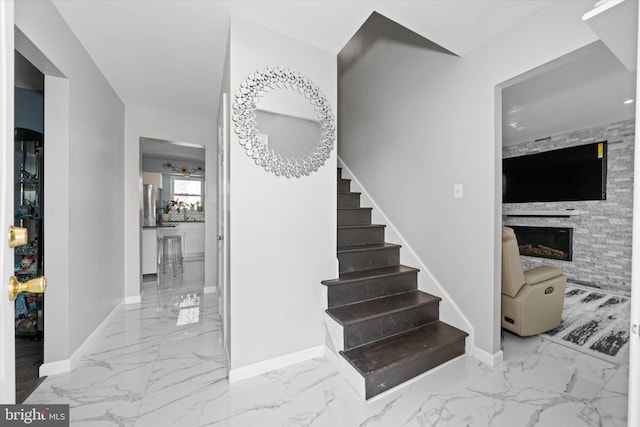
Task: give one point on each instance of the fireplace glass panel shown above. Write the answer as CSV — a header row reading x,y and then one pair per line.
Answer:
x,y
545,242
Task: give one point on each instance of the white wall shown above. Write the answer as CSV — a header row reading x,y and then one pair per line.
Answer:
x,y
282,231
83,174
155,165
170,127
415,122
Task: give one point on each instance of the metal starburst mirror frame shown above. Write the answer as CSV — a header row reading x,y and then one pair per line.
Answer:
x,y
244,118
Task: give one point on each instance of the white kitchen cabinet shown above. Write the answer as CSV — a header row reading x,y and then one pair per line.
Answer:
x,y
149,243
192,238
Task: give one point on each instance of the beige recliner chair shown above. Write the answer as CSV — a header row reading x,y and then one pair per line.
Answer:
x,y
532,300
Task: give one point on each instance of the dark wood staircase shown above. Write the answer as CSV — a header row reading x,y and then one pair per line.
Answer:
x,y
391,330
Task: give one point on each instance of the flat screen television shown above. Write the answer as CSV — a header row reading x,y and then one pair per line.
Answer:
x,y
567,174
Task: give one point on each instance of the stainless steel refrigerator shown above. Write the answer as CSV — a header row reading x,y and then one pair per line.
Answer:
x,y
151,205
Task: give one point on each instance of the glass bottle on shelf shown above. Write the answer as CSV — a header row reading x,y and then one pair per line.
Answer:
x,y
28,200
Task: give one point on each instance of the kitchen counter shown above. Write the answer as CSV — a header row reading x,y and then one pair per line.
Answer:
x,y
188,216
183,222
171,224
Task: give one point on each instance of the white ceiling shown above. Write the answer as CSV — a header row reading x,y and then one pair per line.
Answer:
x,y
170,150
160,55
587,91
168,55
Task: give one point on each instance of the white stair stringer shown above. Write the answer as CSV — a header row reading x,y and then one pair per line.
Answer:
x,y
336,333
348,372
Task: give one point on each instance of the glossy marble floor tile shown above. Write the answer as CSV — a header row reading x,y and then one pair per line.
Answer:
x,y
161,363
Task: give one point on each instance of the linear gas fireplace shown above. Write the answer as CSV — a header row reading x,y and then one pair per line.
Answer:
x,y
545,242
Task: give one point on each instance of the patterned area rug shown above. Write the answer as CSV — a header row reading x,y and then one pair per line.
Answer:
x,y
594,322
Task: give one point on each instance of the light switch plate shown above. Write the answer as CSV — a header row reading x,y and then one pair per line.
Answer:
x,y
457,191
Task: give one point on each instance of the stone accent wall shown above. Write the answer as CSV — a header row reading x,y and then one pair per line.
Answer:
x,y
602,232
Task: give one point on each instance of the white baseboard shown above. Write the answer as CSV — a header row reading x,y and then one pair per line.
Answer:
x,y
491,360
210,290
66,365
137,299
260,368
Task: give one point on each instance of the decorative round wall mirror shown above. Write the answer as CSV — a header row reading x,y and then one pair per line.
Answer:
x,y
286,135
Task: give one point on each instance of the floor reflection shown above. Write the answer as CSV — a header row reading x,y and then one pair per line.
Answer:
x,y
192,274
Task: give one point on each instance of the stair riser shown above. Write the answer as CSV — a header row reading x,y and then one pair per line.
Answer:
x,y
348,200
360,236
364,260
361,290
384,326
386,379
344,185
354,216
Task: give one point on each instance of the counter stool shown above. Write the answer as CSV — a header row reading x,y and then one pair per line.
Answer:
x,y
170,255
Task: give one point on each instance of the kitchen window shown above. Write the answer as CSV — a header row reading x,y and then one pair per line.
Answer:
x,y
188,190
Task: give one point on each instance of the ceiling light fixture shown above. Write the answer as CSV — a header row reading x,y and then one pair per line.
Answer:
x,y
628,101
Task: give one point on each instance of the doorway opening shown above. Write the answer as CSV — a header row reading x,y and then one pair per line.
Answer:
x,y
575,100
29,214
174,177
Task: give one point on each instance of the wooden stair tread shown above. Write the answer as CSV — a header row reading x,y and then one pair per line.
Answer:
x,y
354,208
394,350
354,276
360,248
354,226
357,312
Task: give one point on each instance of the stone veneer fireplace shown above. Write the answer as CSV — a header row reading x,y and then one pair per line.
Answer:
x,y
545,242
602,231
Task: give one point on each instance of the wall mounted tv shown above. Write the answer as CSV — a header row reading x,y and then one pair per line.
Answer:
x,y
567,174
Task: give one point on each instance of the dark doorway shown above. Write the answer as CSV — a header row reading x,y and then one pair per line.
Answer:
x,y
29,213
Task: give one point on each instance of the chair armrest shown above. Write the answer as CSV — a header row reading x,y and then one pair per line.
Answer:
x,y
540,274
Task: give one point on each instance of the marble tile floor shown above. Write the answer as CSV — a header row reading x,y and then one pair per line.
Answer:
x,y
192,273
161,363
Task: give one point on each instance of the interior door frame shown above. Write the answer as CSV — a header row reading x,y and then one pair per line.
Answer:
x,y
7,309
223,218
633,411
